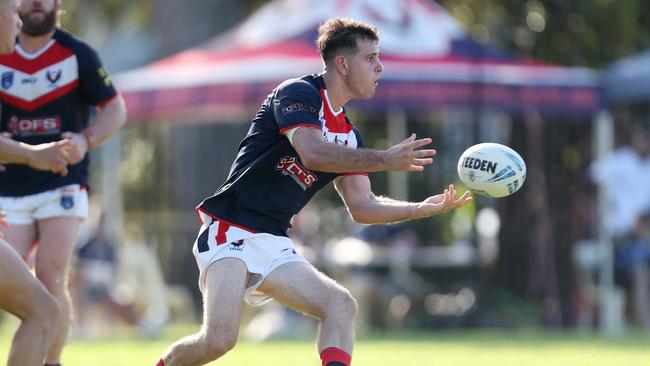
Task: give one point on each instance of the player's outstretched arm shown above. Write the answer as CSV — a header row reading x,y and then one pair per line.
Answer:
x,y
317,154
51,156
108,120
366,208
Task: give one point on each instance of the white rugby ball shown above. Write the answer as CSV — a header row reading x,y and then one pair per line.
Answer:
x,y
492,169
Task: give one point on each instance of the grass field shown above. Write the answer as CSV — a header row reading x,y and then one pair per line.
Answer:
x,y
463,348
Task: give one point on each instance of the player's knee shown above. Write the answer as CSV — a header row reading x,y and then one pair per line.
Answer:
x,y
342,305
218,344
45,313
53,315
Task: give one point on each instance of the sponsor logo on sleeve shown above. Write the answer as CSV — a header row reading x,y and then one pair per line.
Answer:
x,y
102,74
295,107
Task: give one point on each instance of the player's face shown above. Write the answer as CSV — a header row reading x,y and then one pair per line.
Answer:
x,y
365,70
39,16
9,25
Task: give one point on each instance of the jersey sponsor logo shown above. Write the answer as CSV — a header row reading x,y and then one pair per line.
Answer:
x,y
29,80
337,138
295,107
290,166
34,126
53,75
7,79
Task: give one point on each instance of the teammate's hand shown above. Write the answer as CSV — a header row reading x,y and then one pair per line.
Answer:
x,y
5,134
3,222
444,202
53,156
79,146
405,156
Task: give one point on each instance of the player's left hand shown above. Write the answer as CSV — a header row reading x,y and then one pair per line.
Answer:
x,y
444,202
79,147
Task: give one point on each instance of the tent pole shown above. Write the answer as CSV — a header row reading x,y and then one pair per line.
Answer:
x,y
396,126
610,309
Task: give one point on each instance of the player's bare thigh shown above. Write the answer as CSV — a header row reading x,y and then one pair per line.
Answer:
x,y
56,239
225,283
301,287
21,237
15,279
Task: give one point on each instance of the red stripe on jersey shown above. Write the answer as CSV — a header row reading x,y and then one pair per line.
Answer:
x,y
38,102
334,123
222,220
54,54
283,130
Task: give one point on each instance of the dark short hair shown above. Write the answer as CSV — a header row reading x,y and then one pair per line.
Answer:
x,y
341,35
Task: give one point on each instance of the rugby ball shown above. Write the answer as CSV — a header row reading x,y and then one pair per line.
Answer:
x,y
492,169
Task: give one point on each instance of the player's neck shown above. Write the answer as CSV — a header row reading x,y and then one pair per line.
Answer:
x,y
336,92
32,44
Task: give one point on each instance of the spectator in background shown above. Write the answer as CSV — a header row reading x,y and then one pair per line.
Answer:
x,y
625,173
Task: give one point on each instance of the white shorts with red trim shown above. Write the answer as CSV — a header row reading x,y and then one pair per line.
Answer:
x,y
261,252
71,200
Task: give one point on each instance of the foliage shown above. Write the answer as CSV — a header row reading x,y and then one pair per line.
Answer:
x,y
581,32
75,12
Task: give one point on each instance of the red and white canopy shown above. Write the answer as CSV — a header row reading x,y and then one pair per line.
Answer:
x,y
429,61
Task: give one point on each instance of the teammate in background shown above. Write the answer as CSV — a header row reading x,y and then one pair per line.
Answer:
x,y
47,88
20,293
299,141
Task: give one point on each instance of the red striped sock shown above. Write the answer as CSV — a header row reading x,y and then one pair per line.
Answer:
x,y
161,363
333,356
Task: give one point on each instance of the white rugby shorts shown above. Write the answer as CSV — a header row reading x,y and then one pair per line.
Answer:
x,y
71,200
261,252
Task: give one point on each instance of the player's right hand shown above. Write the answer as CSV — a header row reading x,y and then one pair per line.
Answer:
x,y
53,156
405,156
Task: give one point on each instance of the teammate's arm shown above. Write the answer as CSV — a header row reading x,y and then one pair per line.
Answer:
x,y
108,120
366,208
49,156
317,154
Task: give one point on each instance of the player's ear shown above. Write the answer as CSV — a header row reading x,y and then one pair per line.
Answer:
x,y
341,64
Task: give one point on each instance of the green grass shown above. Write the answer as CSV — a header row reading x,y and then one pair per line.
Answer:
x,y
458,348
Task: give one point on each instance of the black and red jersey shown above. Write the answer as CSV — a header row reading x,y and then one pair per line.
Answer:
x,y
46,93
268,183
